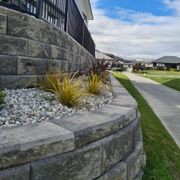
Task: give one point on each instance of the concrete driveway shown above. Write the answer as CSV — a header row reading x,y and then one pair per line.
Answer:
x,y
164,101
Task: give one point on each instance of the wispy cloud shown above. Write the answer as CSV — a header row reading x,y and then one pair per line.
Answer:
x,y
137,34
173,4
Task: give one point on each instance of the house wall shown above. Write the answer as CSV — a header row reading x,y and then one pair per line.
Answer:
x,y
165,65
83,8
30,47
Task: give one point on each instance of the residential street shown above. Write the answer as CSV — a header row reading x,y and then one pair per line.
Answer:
x,y
164,101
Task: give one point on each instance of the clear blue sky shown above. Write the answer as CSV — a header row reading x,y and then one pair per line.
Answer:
x,y
156,7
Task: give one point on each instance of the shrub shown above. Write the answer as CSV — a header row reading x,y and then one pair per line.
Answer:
x,y
2,95
98,67
95,84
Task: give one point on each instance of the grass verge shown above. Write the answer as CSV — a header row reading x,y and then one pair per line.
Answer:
x,y
163,155
171,82
159,72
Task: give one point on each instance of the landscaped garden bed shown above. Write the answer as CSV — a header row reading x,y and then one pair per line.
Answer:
x,y
57,95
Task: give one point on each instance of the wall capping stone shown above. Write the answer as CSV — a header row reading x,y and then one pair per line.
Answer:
x,y
104,144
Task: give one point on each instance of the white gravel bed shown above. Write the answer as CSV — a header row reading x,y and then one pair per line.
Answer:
x,y
29,106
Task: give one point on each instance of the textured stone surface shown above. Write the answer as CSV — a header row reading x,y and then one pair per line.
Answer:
x,y
57,53
117,172
38,49
8,65
21,28
89,127
3,23
136,161
14,81
12,46
81,165
33,39
31,66
16,173
114,111
125,100
24,144
54,65
116,147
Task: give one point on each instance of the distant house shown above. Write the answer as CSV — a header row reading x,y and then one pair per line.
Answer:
x,y
102,56
167,62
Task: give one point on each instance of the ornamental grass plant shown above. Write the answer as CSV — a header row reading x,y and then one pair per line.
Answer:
x,y
95,84
69,92
66,88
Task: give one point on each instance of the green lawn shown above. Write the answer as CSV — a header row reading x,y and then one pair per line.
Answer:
x,y
167,81
163,73
163,155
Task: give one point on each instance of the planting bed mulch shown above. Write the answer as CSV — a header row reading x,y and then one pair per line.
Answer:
x,y
29,106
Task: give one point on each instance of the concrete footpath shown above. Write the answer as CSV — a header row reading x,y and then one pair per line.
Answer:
x,y
164,101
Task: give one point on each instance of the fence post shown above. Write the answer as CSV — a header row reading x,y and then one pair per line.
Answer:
x,y
83,34
66,15
39,7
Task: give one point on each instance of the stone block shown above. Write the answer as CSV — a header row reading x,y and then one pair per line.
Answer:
x,y
124,100
57,53
21,16
72,67
116,147
115,82
64,66
21,28
135,161
90,127
69,56
117,91
80,165
54,66
117,172
38,49
77,59
16,173
24,144
3,23
12,45
31,66
115,111
17,81
8,65
51,35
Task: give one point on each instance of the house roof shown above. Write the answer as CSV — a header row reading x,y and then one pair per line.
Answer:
x,y
100,55
168,60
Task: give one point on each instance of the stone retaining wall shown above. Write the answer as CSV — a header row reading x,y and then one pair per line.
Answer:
x,y
30,47
102,145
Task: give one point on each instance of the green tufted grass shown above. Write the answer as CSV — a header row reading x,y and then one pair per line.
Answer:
x,y
171,82
2,95
163,155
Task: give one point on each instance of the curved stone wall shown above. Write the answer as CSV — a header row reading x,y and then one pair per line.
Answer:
x,y
30,47
102,145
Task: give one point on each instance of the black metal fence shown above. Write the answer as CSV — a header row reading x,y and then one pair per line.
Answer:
x,y
62,13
